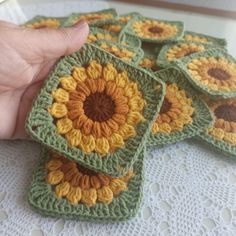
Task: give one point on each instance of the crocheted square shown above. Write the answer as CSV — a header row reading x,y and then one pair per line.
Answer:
x,y
212,72
222,134
190,36
129,40
97,110
96,34
63,188
154,30
93,18
39,22
126,53
170,52
183,114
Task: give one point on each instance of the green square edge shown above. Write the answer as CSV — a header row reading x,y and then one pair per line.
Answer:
x,y
95,30
214,52
70,19
176,38
40,125
203,118
125,206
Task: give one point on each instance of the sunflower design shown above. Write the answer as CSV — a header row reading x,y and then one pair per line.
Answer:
x,y
183,50
154,29
44,23
93,17
97,108
225,120
122,53
80,185
116,28
196,38
148,63
217,73
93,37
175,113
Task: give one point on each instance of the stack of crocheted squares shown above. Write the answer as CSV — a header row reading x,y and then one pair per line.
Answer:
x,y
137,82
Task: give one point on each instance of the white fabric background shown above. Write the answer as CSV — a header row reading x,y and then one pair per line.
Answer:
x,y
189,188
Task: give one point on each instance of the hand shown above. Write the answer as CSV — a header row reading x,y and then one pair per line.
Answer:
x,y
26,58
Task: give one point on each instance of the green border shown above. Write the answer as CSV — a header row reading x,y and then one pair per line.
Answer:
x,y
217,41
137,51
215,52
125,206
162,60
39,18
95,30
70,19
131,40
41,127
113,23
202,119
177,37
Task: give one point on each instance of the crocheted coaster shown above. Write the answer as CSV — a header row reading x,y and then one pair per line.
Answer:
x,y
183,114
212,72
203,38
170,52
222,134
93,18
126,53
154,30
62,188
39,22
96,34
97,110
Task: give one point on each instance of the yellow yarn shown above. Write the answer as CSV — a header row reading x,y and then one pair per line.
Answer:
x,y
105,195
60,95
55,177
74,195
117,186
79,74
74,137
64,125
89,196
94,70
88,143
58,110
68,83
102,146
62,189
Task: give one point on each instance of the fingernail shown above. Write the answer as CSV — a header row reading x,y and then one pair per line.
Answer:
x,y
81,24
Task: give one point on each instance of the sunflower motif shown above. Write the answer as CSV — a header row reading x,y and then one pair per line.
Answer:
x,y
122,53
93,37
148,63
225,120
112,28
44,23
93,17
80,185
183,50
217,73
196,38
97,108
154,29
175,113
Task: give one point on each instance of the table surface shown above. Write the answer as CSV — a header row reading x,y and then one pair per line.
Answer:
x,y
189,188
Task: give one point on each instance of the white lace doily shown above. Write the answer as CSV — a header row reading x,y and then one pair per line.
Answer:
x,y
189,190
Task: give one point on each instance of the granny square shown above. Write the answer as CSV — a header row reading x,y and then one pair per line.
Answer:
x,y
212,72
97,110
154,30
222,133
93,18
63,188
190,36
183,114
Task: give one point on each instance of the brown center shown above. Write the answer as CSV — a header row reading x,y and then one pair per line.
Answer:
x,y
155,30
226,112
85,171
99,107
166,105
218,73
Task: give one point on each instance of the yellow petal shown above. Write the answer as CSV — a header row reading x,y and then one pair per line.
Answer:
x,y
102,146
68,83
89,197
53,164
134,117
109,72
79,74
87,143
62,189
165,128
116,140
155,128
58,110
131,90
105,195
64,125
117,185
74,195
230,137
217,133
94,70
126,131
55,177
73,137
60,95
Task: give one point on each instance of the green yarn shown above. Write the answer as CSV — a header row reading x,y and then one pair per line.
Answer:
x,y
214,40
202,117
96,30
123,207
41,127
215,52
129,40
71,19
